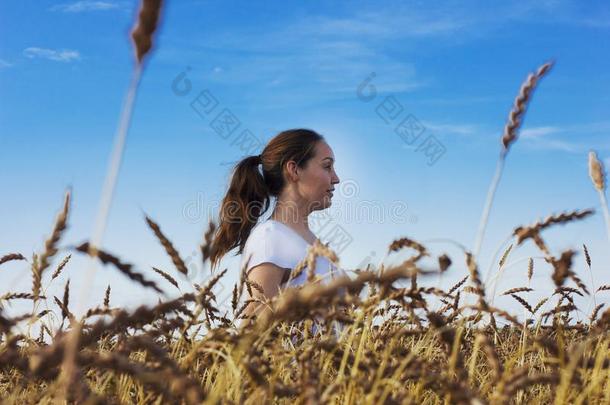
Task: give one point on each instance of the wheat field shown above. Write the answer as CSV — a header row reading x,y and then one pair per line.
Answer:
x,y
375,342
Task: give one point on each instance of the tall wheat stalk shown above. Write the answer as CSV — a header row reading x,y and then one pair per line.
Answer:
x,y
598,177
142,35
515,119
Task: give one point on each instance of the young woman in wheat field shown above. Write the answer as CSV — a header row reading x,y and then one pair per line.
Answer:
x,y
295,170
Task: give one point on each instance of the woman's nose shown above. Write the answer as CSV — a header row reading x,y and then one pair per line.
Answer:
x,y
336,179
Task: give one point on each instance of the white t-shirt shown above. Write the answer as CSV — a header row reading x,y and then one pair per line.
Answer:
x,y
274,242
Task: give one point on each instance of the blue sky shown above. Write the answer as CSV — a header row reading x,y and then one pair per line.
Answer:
x,y
453,66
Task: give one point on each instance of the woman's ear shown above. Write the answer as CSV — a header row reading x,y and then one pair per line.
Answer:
x,y
292,172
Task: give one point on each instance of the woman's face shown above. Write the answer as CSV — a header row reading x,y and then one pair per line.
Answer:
x,y
318,178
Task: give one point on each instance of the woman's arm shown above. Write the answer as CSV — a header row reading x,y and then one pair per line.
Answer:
x,y
269,277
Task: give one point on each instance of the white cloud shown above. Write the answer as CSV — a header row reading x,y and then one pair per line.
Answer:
x,y
317,57
5,64
457,129
452,20
574,138
85,5
293,63
557,144
537,132
61,55
385,23
459,101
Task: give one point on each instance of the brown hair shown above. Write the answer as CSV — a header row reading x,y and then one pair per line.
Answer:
x,y
250,190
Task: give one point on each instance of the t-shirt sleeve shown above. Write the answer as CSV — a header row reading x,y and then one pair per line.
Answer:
x,y
265,247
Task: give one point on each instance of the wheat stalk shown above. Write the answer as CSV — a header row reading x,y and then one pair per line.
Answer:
x,y
517,290
515,119
11,256
142,36
168,246
50,245
107,297
167,277
60,267
206,247
598,177
124,268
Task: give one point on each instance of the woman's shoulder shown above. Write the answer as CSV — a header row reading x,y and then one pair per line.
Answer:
x,y
270,242
266,231
271,228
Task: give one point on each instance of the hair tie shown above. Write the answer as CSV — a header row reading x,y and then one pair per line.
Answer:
x,y
259,159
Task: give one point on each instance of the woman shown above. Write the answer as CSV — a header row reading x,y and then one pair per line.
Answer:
x,y
297,169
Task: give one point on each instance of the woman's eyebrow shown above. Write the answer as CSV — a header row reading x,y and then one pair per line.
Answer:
x,y
329,158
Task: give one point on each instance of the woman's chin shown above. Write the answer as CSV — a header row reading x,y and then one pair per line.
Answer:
x,y
322,205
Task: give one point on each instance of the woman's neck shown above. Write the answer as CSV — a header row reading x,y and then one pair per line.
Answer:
x,y
292,216
289,219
